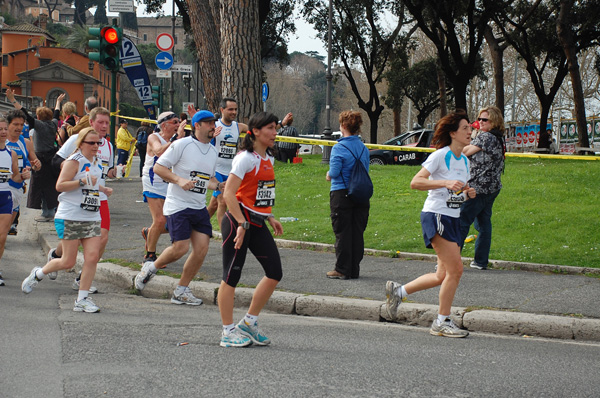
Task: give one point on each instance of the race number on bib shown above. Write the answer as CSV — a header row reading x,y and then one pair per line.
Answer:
x,y
200,181
90,200
455,199
265,194
104,169
5,175
227,150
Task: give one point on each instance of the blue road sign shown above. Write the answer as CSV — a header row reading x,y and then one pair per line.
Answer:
x,y
164,60
265,92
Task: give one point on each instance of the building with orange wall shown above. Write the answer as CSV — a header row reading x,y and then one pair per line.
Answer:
x,y
39,71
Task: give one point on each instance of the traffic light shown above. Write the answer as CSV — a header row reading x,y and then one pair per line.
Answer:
x,y
108,45
157,95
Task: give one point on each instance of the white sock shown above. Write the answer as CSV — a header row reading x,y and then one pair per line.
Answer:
x,y
153,269
251,319
227,329
401,291
180,290
83,294
442,318
39,274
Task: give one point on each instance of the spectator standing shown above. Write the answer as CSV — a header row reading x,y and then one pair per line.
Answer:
x,y
68,114
348,219
444,174
124,143
42,193
90,103
142,134
486,156
287,150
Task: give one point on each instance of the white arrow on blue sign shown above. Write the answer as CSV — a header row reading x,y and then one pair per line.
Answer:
x,y
265,92
163,60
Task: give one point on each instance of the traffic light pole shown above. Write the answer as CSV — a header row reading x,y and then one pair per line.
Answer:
x,y
113,106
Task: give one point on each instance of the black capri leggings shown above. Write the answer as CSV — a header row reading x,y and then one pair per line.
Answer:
x,y
260,242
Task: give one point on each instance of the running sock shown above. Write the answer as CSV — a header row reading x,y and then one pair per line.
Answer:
x,y
152,268
39,274
251,319
442,318
83,294
227,329
179,290
401,291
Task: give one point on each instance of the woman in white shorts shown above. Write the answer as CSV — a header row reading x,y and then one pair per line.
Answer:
x,y
9,168
444,174
77,218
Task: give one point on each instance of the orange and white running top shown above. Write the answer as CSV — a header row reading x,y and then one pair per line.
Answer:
x,y
257,191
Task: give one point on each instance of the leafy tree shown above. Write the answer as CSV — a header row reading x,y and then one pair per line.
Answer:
x,y
531,31
100,17
578,28
274,31
456,28
360,38
78,38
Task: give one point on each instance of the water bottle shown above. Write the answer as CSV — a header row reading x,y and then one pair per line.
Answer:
x,y
470,238
88,177
287,219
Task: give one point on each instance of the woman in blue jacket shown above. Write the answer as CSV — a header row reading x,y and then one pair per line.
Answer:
x,y
349,219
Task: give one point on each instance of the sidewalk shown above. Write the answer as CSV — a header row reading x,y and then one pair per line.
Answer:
x,y
541,301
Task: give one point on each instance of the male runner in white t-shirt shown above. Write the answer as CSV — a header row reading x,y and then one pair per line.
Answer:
x,y
192,160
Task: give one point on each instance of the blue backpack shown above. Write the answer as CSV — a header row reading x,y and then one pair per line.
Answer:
x,y
360,186
142,137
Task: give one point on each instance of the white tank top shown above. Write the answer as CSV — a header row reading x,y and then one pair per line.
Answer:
x,y
83,203
5,168
152,182
226,146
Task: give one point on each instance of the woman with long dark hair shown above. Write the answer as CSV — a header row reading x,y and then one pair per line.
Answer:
x,y
250,195
444,174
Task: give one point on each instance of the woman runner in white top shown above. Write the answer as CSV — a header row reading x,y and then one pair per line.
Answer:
x,y
444,174
77,218
9,168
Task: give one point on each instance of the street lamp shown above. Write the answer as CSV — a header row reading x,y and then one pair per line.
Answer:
x,y
328,77
27,81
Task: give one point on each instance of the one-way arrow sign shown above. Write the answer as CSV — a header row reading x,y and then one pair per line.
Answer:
x,y
163,60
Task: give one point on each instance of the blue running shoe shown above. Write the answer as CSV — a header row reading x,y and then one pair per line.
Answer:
x,y
234,339
252,331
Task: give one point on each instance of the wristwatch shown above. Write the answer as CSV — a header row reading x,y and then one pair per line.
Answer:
x,y
81,183
245,225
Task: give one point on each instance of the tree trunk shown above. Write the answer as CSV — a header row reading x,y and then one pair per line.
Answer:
x,y
497,52
240,54
565,36
208,48
441,77
396,122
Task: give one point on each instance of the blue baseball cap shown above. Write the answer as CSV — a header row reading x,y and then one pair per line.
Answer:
x,y
203,116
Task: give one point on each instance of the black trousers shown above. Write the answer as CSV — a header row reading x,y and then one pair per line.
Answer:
x,y
287,155
349,221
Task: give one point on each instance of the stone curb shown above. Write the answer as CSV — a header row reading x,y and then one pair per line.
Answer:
x,y
489,321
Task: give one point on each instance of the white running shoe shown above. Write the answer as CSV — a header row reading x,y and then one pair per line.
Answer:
x,y
85,305
143,276
392,298
30,282
75,286
51,256
1,280
235,339
447,329
186,298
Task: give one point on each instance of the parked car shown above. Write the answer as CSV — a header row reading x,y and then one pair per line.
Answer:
x,y
306,149
417,138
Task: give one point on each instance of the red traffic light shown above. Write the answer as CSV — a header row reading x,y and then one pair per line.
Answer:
x,y
110,35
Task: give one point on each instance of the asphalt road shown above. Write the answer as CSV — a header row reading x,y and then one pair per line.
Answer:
x,y
130,350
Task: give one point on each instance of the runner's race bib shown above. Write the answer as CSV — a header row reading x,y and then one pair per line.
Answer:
x,y
200,181
90,200
455,199
228,150
5,175
104,169
265,194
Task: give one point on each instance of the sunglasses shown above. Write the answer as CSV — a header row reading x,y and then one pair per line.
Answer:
x,y
481,119
92,142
